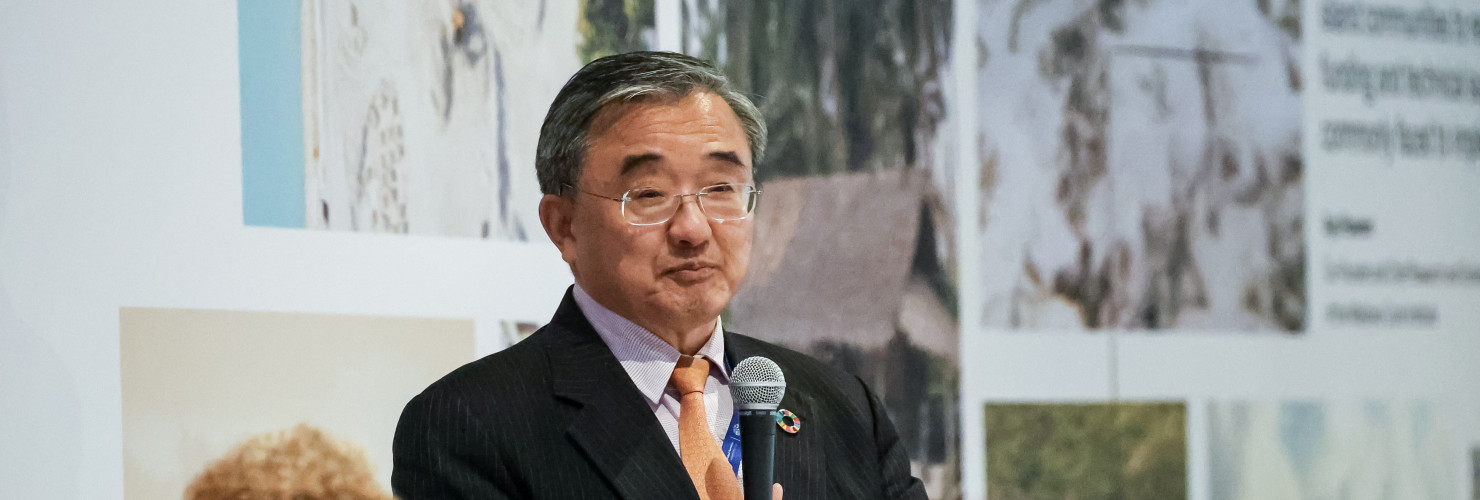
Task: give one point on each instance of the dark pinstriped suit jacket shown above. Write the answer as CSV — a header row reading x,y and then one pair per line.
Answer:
x,y
555,416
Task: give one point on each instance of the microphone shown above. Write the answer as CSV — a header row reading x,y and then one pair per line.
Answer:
x,y
757,386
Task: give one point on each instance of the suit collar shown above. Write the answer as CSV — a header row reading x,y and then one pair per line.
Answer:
x,y
647,359
613,424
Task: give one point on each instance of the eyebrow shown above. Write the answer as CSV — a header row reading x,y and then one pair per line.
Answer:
x,y
727,157
633,162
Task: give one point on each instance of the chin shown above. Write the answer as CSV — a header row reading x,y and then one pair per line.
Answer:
x,y
702,303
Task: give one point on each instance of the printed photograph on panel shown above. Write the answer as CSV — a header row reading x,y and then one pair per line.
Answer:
x,y
1140,165
515,331
1313,449
220,404
422,117
1073,450
852,260
1475,473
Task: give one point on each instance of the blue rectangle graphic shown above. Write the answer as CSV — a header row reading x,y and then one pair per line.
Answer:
x,y
272,113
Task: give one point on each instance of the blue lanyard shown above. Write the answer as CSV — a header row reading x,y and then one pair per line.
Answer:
x,y
732,443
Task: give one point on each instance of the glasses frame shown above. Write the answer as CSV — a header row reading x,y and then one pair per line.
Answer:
x,y
754,191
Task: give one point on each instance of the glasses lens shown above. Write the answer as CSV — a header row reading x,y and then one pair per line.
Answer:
x,y
648,206
727,201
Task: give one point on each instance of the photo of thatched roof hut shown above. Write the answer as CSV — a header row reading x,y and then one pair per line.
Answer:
x,y
854,269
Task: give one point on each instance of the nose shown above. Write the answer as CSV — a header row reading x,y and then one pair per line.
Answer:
x,y
689,226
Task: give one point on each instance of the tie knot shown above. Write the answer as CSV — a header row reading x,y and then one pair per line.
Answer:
x,y
690,374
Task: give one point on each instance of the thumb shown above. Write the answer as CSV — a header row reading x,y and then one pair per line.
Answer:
x,y
776,491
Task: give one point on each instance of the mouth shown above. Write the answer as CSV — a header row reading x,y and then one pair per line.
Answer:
x,y
689,272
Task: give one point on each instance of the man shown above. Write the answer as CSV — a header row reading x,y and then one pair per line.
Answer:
x,y
645,160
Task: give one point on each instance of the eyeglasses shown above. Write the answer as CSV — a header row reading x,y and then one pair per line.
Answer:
x,y
648,206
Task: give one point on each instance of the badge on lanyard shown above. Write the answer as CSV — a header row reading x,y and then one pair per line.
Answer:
x,y
731,445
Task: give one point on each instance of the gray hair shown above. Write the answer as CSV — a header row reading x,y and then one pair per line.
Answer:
x,y
628,77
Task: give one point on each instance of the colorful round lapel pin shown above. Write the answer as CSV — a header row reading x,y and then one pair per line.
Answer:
x,y
788,421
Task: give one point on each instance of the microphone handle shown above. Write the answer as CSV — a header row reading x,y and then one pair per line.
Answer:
x,y
758,452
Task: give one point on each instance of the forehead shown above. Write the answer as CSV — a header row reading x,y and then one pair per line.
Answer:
x,y
665,132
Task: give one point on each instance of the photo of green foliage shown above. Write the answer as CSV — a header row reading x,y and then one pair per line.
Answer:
x,y
844,86
1104,451
615,26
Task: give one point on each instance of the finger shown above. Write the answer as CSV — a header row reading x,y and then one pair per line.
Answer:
x,y
776,491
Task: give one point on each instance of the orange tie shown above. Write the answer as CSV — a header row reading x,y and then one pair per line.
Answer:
x,y
711,473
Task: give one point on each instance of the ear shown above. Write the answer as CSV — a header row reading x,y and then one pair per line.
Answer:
x,y
557,214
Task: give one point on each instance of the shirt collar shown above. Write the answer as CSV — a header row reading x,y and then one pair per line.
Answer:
x,y
647,359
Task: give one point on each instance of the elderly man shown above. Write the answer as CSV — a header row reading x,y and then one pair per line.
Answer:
x,y
646,164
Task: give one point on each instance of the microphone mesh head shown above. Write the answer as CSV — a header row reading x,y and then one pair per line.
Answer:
x,y
757,384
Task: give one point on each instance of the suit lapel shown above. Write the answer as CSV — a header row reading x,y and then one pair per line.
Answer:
x,y
613,424
801,458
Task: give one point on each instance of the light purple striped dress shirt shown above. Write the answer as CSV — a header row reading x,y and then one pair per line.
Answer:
x,y
650,361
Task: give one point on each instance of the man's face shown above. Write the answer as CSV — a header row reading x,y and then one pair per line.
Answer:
x,y
679,274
